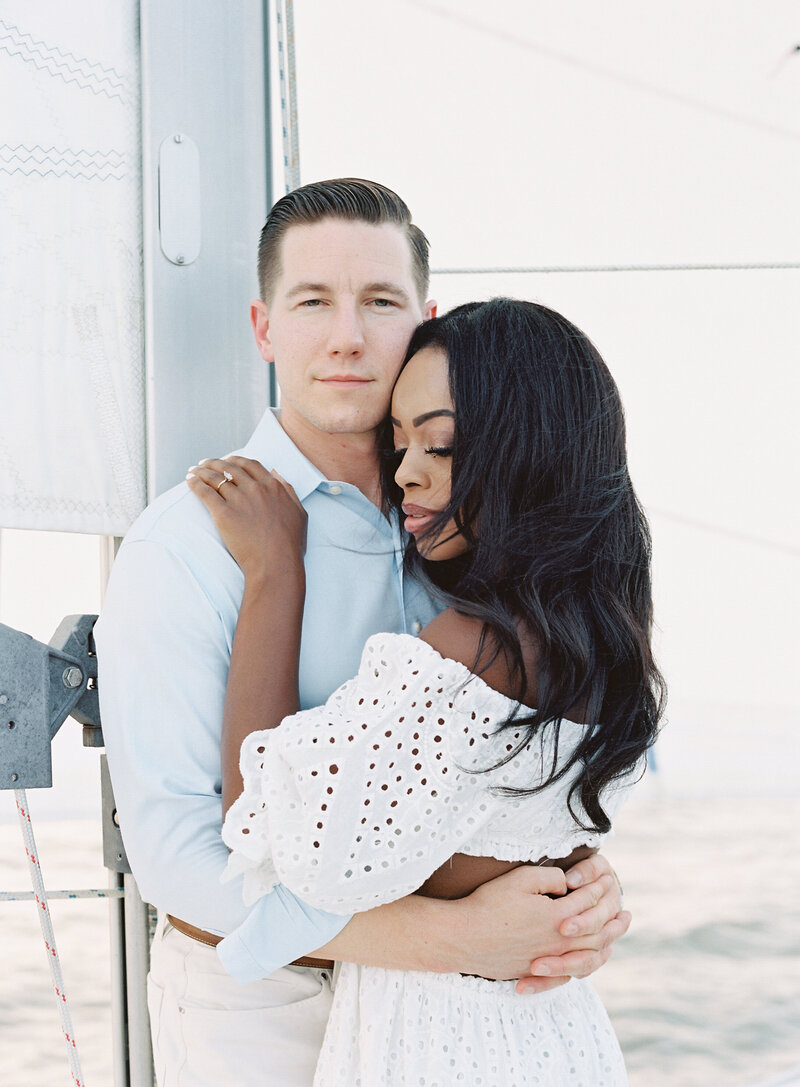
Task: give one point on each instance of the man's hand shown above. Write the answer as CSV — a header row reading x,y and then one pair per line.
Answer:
x,y
511,929
592,930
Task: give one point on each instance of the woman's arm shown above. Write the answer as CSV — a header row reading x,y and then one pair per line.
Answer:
x,y
262,524
494,932
262,681
462,874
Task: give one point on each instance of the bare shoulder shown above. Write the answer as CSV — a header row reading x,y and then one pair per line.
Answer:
x,y
461,638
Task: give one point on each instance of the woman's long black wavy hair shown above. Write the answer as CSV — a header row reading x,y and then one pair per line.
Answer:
x,y
559,545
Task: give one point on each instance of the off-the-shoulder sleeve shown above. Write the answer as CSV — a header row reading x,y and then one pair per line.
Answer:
x,y
355,803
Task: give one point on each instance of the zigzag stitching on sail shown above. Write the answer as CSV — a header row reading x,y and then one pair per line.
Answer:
x,y
87,68
75,174
90,165
61,154
87,74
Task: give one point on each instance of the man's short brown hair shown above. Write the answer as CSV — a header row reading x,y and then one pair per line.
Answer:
x,y
348,198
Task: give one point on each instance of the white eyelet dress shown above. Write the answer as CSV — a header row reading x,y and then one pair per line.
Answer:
x,y
356,803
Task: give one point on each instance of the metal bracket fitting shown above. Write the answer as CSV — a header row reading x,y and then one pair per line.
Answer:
x,y
40,686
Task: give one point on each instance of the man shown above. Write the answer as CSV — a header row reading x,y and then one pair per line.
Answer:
x,y
343,279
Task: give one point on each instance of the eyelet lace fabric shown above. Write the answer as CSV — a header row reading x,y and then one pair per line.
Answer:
x,y
391,1028
357,802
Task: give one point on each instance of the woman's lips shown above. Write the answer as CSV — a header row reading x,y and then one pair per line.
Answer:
x,y
417,517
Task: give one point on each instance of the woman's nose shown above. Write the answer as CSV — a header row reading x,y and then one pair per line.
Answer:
x,y
409,472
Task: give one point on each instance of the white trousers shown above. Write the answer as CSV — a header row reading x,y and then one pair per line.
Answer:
x,y
210,1031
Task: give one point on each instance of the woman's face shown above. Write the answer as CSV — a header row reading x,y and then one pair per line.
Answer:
x,y
423,424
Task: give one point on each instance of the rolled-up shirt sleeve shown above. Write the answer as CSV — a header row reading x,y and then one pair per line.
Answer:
x,y
163,653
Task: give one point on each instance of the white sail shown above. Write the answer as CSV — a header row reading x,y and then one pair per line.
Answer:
x,y
72,386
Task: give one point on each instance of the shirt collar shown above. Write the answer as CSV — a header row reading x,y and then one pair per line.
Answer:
x,y
271,445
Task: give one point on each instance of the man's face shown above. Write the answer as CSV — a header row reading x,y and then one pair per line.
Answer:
x,y
342,311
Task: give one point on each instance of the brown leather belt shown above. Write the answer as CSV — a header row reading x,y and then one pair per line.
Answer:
x,y
210,940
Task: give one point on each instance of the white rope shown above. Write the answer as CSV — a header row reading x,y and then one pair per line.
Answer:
x,y
49,936
559,269
89,892
288,85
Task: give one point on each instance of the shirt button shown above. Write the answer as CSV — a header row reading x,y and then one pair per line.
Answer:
x,y
335,489
416,626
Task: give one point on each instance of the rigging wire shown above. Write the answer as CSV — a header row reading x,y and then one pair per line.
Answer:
x,y
560,269
602,72
88,892
720,530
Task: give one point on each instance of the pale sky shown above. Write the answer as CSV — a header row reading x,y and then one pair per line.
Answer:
x,y
551,134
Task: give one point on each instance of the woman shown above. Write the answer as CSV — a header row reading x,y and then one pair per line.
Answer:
x,y
431,768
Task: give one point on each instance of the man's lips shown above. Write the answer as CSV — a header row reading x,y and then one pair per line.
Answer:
x,y
344,381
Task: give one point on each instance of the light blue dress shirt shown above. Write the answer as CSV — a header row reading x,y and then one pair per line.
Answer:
x,y
164,642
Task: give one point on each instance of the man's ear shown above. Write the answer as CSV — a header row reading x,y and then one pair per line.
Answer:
x,y
430,310
259,319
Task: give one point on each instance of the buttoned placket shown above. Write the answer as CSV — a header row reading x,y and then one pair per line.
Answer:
x,y
389,528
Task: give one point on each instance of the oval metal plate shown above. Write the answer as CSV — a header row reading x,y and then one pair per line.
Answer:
x,y
179,199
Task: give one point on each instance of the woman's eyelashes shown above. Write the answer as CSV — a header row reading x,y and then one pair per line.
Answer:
x,y
396,455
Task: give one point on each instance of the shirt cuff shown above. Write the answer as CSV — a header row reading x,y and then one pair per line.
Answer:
x,y
279,929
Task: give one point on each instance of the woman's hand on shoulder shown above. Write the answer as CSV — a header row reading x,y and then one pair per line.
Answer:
x,y
257,513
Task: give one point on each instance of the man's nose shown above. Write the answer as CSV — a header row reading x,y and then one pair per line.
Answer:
x,y
346,332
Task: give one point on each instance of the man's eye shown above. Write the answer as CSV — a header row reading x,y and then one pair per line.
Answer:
x,y
383,303
310,303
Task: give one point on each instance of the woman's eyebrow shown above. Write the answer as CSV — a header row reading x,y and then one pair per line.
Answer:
x,y
420,419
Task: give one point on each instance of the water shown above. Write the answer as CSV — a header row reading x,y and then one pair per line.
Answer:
x,y
705,989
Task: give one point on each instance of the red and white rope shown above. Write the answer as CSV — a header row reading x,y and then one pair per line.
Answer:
x,y
49,937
